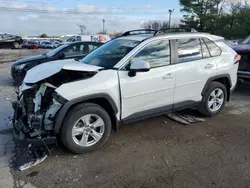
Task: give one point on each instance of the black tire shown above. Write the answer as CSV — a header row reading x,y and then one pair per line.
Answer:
x,y
71,118
203,107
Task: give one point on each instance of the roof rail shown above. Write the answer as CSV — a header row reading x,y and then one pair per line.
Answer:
x,y
156,32
174,30
141,31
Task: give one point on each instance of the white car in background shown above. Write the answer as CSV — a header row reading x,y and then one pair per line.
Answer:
x,y
47,45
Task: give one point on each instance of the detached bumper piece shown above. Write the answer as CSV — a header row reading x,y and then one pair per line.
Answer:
x,y
31,152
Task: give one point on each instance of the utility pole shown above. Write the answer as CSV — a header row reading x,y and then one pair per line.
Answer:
x,y
103,26
170,16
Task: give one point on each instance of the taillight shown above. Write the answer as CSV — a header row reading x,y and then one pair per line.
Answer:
x,y
237,59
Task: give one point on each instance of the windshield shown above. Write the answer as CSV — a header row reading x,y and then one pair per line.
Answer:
x,y
53,52
109,54
246,41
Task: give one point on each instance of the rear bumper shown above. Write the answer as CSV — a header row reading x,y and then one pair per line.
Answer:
x,y
244,76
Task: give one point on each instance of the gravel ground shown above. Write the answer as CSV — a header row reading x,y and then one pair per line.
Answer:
x,y
8,55
155,153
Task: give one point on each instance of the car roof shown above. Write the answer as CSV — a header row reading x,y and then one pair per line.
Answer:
x,y
142,37
83,42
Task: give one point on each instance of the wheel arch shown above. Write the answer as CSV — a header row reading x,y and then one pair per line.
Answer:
x,y
224,79
104,100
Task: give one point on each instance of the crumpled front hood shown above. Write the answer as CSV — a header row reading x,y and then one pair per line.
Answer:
x,y
30,59
48,69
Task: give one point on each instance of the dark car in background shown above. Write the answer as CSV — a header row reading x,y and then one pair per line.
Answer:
x,y
75,50
244,66
31,45
10,41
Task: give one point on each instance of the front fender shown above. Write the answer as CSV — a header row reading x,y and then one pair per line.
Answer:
x,y
63,111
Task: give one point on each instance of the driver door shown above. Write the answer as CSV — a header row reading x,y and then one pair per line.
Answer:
x,y
148,93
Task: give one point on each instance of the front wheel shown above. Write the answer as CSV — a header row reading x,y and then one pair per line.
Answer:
x,y
85,128
214,99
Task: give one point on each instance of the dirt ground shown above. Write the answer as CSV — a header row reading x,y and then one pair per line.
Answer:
x,y
157,153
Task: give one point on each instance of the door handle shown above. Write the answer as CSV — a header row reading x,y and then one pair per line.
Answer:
x,y
209,66
168,76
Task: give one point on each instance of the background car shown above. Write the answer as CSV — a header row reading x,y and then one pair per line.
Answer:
x,y
244,65
31,45
10,41
76,50
47,45
56,44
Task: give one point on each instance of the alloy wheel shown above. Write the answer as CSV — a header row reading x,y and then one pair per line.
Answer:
x,y
216,100
88,130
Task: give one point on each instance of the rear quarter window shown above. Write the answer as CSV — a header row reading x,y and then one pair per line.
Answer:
x,y
213,48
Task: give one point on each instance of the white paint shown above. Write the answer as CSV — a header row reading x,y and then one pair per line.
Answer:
x,y
147,90
105,81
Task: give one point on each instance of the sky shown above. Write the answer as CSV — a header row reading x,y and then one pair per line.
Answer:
x,y
60,17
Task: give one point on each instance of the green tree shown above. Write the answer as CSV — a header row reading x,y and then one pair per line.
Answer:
x,y
200,14
43,35
220,17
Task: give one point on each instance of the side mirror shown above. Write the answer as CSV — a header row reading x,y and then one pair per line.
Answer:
x,y
138,66
62,55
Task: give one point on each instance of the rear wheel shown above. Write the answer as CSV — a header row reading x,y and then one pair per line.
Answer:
x,y
86,128
214,100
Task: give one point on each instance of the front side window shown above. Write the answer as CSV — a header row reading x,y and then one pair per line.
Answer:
x,y
92,47
75,49
157,54
109,54
189,50
213,48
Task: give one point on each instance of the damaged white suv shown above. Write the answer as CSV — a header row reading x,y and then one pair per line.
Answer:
x,y
130,78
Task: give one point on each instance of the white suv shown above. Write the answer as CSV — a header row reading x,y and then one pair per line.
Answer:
x,y
130,78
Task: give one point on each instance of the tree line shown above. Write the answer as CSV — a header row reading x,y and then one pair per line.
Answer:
x,y
230,19
227,18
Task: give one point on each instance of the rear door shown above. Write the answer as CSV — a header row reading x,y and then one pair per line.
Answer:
x,y
194,66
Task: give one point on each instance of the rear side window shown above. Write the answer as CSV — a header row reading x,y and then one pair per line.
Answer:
x,y
212,47
189,50
205,51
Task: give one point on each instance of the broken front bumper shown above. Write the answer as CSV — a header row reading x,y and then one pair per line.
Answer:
x,y
22,133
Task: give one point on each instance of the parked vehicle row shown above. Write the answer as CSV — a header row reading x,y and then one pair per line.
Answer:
x,y
127,79
30,44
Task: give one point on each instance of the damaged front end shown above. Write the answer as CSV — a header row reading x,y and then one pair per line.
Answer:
x,y
35,110
38,104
